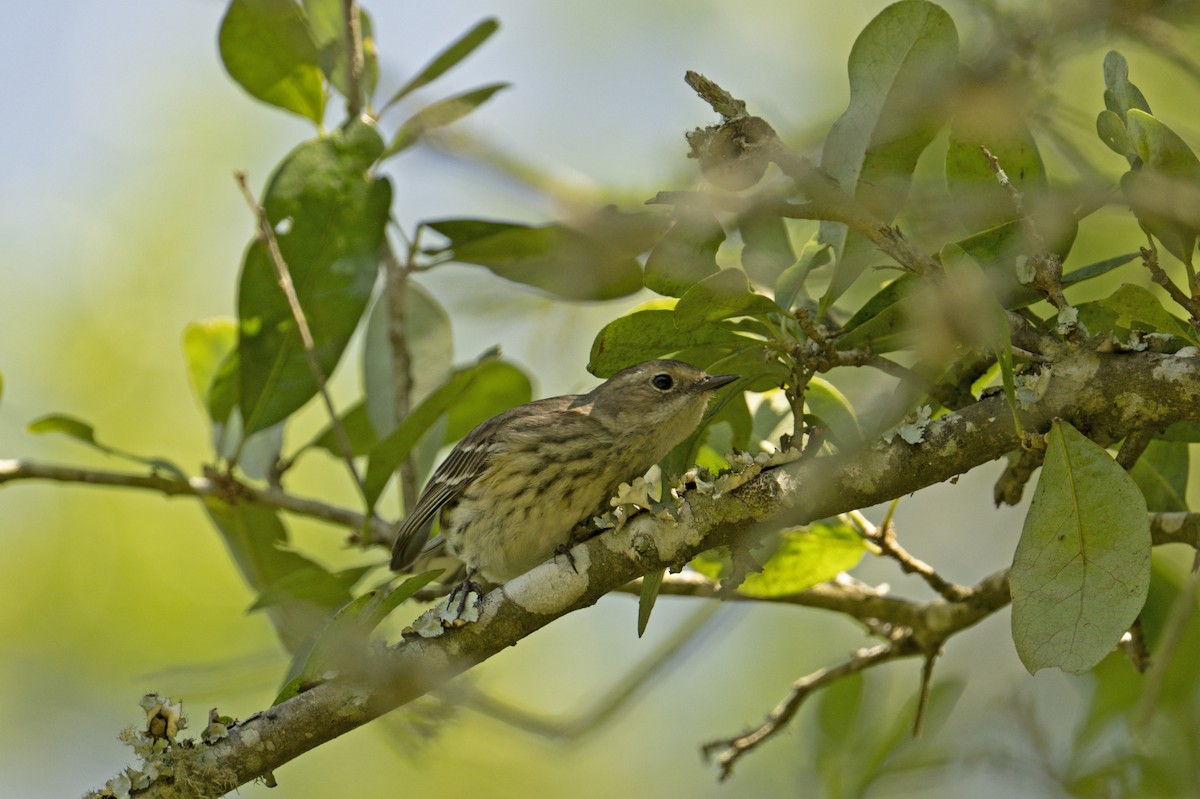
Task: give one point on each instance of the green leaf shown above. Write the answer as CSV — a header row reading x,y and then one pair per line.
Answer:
x,y
1082,566
438,115
256,539
902,62
429,340
1165,194
806,557
497,386
978,198
337,214
327,26
313,583
67,425
789,287
267,48
652,333
767,247
825,402
1110,127
651,583
358,429
686,254
341,640
721,296
1136,307
206,345
592,258
882,323
389,453
82,431
457,51
1121,94
1162,475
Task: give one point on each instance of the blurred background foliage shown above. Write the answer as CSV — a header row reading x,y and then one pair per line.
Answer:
x,y
121,223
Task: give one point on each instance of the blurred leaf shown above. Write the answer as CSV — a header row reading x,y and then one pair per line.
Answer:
x,y
838,715
806,557
1121,94
593,260
267,48
647,334
497,386
221,398
337,214
789,287
721,296
358,429
256,539
438,115
1165,194
313,583
67,425
457,51
206,346
977,196
1136,307
340,643
903,59
651,583
1,385
686,254
882,323
430,343
84,432
1110,127
1082,566
1162,475
327,26
825,402
766,246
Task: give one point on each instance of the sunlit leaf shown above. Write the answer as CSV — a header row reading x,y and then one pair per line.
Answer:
x,y
804,558
267,48
206,345
327,25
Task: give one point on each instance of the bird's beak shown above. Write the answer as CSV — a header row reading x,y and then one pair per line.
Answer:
x,y
711,382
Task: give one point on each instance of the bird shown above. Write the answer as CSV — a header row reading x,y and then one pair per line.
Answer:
x,y
510,493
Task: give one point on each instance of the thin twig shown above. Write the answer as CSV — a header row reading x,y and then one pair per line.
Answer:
x,y
222,486
355,63
267,233
1159,276
884,536
733,748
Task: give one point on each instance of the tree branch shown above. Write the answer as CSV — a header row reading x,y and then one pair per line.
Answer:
x,y
1104,394
216,485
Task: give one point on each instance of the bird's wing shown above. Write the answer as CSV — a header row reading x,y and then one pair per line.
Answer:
x,y
461,466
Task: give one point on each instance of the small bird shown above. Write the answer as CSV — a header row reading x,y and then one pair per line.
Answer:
x,y
511,492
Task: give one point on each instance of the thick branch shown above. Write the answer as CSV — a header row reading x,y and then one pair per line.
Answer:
x,y
1103,395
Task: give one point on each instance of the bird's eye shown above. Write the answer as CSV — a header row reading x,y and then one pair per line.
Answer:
x,y
662,382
